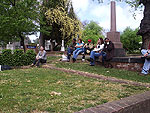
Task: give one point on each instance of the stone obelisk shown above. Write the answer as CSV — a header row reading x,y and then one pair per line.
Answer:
x,y
113,35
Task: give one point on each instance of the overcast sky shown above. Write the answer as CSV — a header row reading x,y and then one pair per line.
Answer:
x,y
100,13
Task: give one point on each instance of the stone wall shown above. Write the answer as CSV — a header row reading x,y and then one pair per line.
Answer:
x,y
134,104
128,63
128,66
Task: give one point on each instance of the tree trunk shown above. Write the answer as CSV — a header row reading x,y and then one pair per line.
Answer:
x,y
145,24
22,42
42,40
145,40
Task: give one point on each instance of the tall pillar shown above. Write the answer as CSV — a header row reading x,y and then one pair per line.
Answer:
x,y
113,16
113,35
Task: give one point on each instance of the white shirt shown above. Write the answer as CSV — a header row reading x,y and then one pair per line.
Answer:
x,y
99,47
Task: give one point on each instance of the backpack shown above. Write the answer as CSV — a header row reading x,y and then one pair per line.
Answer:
x,y
4,67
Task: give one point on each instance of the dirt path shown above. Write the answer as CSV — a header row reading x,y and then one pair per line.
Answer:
x,y
102,77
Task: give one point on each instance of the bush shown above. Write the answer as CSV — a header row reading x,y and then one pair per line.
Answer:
x,y
7,57
18,58
29,57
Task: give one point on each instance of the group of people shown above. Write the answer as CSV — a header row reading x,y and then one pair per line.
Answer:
x,y
104,48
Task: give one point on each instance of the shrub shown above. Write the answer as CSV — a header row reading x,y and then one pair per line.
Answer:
x,y
29,57
18,58
7,57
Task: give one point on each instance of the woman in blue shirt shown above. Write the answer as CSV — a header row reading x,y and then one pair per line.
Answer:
x,y
79,49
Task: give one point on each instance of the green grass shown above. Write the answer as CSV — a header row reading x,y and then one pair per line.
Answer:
x,y
118,73
51,59
39,89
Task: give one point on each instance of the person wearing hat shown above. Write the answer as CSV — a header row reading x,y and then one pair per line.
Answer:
x,y
88,47
71,48
146,66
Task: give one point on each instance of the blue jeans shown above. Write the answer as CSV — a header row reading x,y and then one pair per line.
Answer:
x,y
77,52
146,65
69,52
94,54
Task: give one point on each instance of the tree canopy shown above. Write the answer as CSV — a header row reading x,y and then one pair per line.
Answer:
x,y
131,42
61,18
18,18
92,31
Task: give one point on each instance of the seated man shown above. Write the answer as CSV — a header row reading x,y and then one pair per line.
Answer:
x,y
79,49
71,48
146,66
40,58
88,47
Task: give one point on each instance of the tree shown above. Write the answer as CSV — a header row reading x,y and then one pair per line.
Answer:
x,y
60,17
131,42
18,18
92,31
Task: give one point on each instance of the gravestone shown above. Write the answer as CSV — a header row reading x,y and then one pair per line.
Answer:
x,y
113,35
47,45
10,46
62,46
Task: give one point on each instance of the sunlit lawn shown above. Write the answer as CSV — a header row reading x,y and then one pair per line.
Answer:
x,y
39,89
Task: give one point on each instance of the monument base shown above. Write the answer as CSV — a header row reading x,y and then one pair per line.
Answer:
x,y
114,36
62,49
119,52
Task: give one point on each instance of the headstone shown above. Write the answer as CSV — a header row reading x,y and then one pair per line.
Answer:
x,y
113,35
10,46
62,46
47,45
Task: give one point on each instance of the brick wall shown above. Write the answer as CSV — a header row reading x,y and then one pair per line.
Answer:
x,y
128,63
134,104
128,66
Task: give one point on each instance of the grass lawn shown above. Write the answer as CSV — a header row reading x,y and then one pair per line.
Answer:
x,y
39,89
118,73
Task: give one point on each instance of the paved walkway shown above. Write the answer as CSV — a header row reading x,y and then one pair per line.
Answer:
x,y
102,77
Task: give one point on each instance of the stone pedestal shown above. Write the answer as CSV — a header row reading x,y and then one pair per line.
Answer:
x,y
114,36
119,52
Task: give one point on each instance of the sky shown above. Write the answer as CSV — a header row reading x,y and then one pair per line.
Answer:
x,y
89,10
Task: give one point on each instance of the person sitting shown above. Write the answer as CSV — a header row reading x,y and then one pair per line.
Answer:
x,y
97,52
88,47
40,57
108,50
146,66
71,48
79,49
